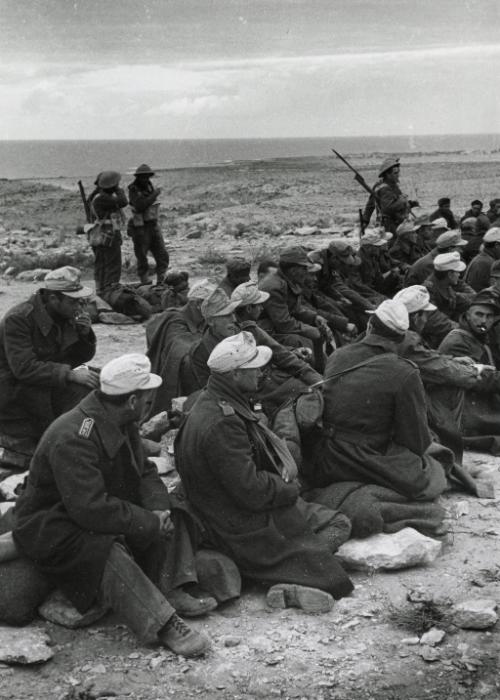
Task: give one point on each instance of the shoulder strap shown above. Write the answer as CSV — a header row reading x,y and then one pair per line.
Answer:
x,y
369,361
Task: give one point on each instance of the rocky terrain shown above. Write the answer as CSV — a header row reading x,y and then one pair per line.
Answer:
x,y
370,645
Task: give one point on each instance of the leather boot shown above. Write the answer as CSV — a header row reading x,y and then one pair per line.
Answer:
x,y
183,640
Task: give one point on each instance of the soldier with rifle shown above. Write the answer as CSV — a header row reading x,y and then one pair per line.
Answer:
x,y
393,207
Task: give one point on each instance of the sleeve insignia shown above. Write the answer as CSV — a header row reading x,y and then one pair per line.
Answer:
x,y
86,427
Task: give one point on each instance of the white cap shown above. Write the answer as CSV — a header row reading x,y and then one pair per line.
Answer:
x,y
67,281
376,237
394,315
248,293
415,298
128,373
492,235
449,262
440,223
201,290
238,352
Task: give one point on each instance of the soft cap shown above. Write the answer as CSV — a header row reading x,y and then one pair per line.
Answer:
x,y
67,281
201,290
128,373
415,298
492,235
394,315
248,293
218,304
449,262
449,239
238,352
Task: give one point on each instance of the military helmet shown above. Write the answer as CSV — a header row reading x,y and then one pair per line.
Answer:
x,y
144,169
108,179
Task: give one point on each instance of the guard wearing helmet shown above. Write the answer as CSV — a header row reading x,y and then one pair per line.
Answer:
x,y
143,226
106,204
392,205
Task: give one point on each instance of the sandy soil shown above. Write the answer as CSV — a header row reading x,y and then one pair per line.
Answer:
x,y
357,650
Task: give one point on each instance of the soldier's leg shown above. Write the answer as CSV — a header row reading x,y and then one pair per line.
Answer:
x,y
141,247
159,253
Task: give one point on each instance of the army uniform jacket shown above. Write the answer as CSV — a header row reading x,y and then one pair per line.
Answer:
x,y
284,310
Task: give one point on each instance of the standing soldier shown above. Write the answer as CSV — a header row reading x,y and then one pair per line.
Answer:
x,y
106,205
143,227
393,206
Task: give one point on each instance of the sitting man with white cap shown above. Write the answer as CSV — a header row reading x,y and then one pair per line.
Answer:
x,y
447,291
375,427
447,242
240,479
42,343
478,271
169,337
96,519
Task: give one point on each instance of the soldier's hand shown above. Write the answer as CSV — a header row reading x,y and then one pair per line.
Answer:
x,y
289,473
83,323
166,525
84,376
352,329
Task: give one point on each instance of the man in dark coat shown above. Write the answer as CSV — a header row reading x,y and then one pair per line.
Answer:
x,y
143,226
240,479
237,272
374,422
476,210
443,211
406,248
42,343
106,207
446,242
477,274
391,204
447,291
95,517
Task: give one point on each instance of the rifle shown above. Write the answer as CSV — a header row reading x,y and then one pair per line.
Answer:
x,y
357,176
86,205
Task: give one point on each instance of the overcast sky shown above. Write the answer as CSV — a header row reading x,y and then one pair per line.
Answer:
x,y
262,68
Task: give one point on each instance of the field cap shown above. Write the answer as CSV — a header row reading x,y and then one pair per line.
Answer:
x,y
296,255
202,289
406,227
449,262
67,281
440,223
484,298
374,237
393,314
128,373
492,235
238,352
144,169
387,164
218,304
108,179
415,298
449,239
344,250
238,264
469,222
248,293
422,220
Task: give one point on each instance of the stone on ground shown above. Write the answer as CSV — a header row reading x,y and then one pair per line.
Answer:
x,y
478,614
400,550
289,595
9,486
432,637
24,646
59,610
163,465
156,426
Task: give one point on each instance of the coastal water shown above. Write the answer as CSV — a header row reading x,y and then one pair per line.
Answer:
x,y
71,159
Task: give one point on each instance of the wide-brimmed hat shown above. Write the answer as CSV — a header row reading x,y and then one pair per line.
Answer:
x,y
248,293
67,281
387,164
126,374
238,352
144,169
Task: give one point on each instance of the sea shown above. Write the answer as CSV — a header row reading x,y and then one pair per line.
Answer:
x,y
81,159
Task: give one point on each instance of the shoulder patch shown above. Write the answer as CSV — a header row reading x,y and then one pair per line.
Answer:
x,y
86,427
227,409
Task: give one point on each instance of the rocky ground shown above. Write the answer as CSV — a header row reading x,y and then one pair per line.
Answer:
x,y
368,645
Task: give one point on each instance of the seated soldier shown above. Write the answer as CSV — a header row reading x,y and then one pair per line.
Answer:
x,y
176,284
239,477
42,343
267,266
473,236
477,274
284,316
480,422
374,422
447,242
377,270
169,338
315,300
237,272
447,291
96,519
289,374
218,311
444,211
406,249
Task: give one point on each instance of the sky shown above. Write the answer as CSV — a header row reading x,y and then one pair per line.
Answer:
x,y
87,69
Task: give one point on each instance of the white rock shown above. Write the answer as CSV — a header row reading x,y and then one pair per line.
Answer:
x,y
178,403
156,426
400,550
164,465
475,614
56,608
8,486
432,637
25,645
